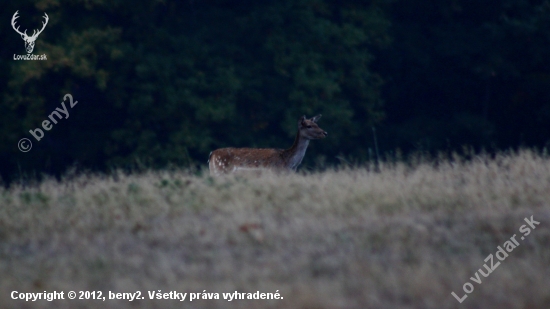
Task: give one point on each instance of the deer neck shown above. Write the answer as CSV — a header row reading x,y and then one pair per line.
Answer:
x,y
293,156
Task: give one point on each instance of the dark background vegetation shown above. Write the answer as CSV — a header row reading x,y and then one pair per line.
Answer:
x,y
166,82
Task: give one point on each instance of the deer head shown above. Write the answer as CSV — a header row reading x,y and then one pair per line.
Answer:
x,y
309,129
29,40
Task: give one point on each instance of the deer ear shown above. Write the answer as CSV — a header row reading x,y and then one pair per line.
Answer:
x,y
301,120
314,119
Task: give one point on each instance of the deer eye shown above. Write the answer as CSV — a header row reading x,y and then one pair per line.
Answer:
x,y
309,127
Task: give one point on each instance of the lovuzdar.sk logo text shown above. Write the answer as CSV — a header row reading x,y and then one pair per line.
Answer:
x,y
29,40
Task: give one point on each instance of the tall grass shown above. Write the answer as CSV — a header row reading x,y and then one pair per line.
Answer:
x,y
405,237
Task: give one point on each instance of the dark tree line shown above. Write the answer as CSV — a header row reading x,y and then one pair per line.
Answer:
x,y
468,73
165,82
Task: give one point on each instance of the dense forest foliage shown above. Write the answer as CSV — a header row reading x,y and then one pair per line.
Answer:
x,y
166,82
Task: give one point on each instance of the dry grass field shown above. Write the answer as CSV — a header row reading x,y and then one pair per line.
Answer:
x,y
405,237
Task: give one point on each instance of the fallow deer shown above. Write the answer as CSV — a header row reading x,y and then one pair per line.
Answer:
x,y
228,160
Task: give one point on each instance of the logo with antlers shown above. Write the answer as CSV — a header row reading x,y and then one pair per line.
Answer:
x,y
29,40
